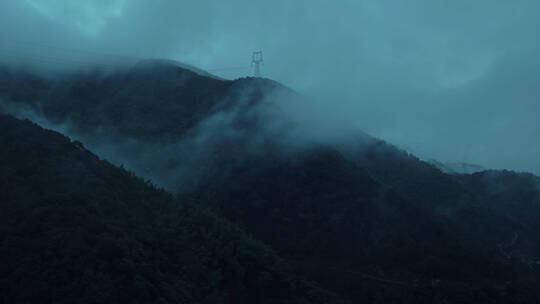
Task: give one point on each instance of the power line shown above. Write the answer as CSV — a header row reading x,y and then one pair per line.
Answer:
x,y
69,62
231,68
51,59
67,49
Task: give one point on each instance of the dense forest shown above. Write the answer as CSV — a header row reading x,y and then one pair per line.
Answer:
x,y
392,229
358,218
76,229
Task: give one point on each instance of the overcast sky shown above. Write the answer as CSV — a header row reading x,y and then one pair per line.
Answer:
x,y
455,80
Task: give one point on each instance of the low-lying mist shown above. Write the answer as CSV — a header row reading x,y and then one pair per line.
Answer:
x,y
455,81
257,119
176,127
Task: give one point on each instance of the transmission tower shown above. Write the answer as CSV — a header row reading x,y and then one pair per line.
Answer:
x,y
256,60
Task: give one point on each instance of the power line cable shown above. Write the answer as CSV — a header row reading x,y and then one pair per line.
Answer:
x,y
68,49
66,61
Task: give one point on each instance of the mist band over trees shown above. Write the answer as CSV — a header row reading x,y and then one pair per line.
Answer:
x,y
443,80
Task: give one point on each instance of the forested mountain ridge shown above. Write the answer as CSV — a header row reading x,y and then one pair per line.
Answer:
x,y
380,237
150,101
512,193
76,229
363,218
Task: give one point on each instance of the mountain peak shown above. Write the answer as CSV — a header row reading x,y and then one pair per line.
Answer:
x,y
168,63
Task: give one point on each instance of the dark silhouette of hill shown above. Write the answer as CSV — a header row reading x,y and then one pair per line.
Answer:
x,y
508,192
148,116
152,100
76,229
362,218
373,234
124,101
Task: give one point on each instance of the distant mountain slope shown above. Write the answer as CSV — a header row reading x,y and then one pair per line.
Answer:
x,y
152,100
196,70
512,193
125,101
75,229
153,117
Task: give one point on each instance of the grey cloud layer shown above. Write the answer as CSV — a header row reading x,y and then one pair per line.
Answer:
x,y
453,80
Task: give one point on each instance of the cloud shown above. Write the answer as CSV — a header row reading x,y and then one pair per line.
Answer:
x,y
448,79
89,17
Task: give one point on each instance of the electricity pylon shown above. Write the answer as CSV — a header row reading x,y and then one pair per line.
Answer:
x,y
256,60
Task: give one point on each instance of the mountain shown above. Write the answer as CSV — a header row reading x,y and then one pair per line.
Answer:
x,y
76,229
380,227
149,101
124,101
153,117
508,192
358,216
153,62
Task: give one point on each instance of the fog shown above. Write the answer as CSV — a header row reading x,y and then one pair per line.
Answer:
x,y
235,132
456,81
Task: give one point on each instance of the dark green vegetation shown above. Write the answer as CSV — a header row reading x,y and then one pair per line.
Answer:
x,y
150,101
383,227
76,229
362,218
511,193
136,116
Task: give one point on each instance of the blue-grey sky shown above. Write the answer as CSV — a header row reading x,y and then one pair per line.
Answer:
x,y
453,80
